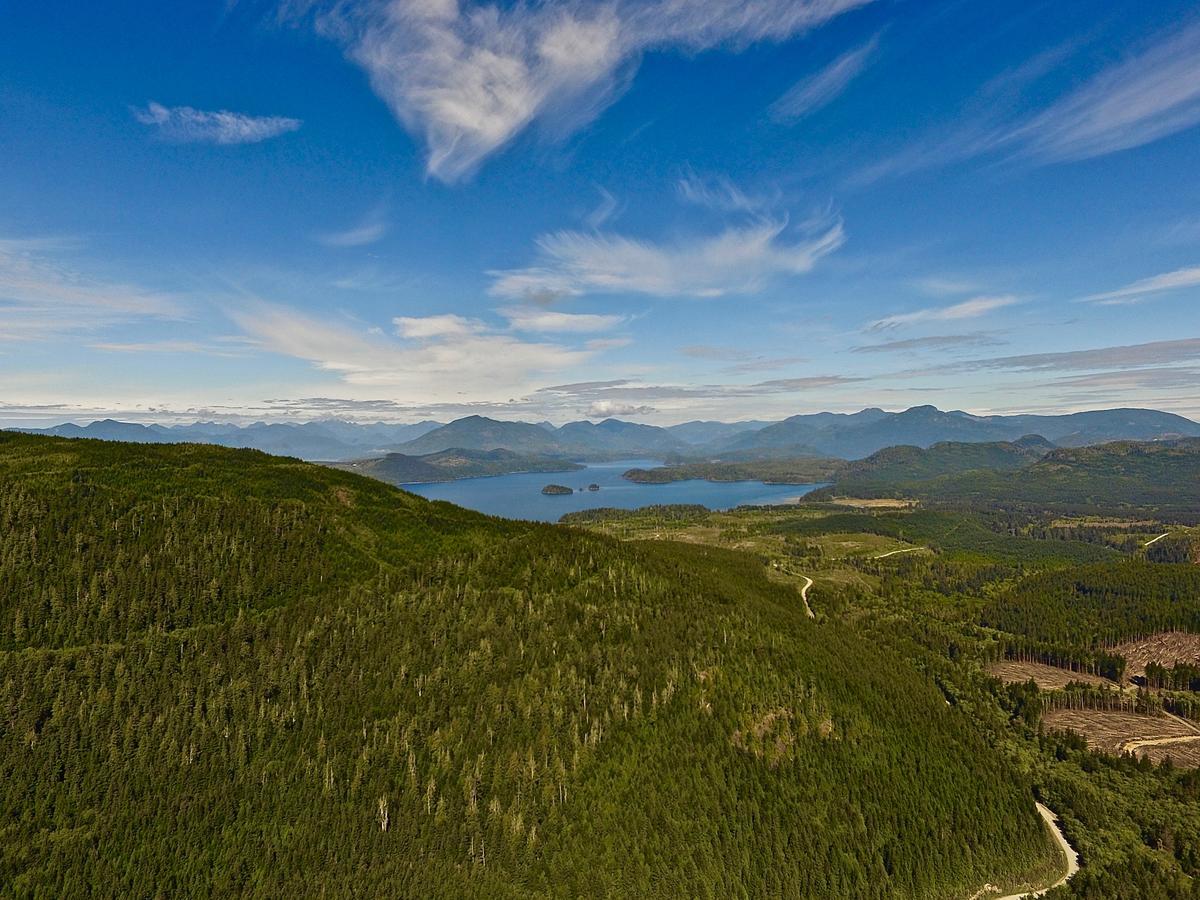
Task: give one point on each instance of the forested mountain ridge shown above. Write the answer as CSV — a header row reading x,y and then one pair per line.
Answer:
x,y
455,463
228,673
1158,476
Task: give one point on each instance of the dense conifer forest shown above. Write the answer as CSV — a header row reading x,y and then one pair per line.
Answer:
x,y
227,673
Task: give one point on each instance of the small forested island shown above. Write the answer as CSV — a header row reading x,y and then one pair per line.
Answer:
x,y
557,489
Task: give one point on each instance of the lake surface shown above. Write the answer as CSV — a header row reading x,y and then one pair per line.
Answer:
x,y
521,497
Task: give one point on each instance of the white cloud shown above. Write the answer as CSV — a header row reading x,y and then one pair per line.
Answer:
x,y
968,309
370,229
438,358
810,94
42,297
550,321
228,347
1148,97
716,192
468,78
606,409
605,209
737,260
442,326
1139,290
1130,356
187,125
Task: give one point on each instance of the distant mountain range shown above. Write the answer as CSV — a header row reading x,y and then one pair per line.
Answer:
x,y
841,435
326,439
845,436
861,434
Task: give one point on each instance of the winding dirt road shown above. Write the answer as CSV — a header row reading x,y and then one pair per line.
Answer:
x,y
804,595
894,552
1051,821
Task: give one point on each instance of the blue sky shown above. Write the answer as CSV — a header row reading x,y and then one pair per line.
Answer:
x,y
662,210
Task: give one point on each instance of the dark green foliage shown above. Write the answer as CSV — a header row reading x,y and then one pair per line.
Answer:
x,y
962,533
897,466
449,465
230,674
1159,477
1100,604
677,512
776,471
1174,549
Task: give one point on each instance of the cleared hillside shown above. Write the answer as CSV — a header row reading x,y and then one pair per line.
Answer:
x,y
225,673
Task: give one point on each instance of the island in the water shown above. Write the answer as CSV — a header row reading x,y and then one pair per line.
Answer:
x,y
556,489
451,465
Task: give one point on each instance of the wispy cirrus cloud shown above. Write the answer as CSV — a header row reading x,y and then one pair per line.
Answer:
x,y
227,347
933,342
818,90
370,229
1127,356
967,309
717,192
431,358
183,124
468,78
547,321
1140,290
42,296
1149,96
605,397
738,260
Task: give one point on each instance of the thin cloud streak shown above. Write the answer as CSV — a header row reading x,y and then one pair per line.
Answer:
x,y
1140,290
1144,99
967,309
738,260
185,125
42,298
1151,96
933,342
369,230
816,91
1154,353
551,322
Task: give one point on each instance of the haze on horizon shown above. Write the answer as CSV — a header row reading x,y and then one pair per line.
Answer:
x,y
657,211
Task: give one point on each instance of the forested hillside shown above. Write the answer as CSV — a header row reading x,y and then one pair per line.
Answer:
x,y
223,673
1161,478
449,465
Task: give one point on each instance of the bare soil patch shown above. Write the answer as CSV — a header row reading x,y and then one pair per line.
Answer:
x,y
1156,737
1166,649
880,503
1047,677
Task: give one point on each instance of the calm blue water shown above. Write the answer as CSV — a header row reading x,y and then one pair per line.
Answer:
x,y
521,497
